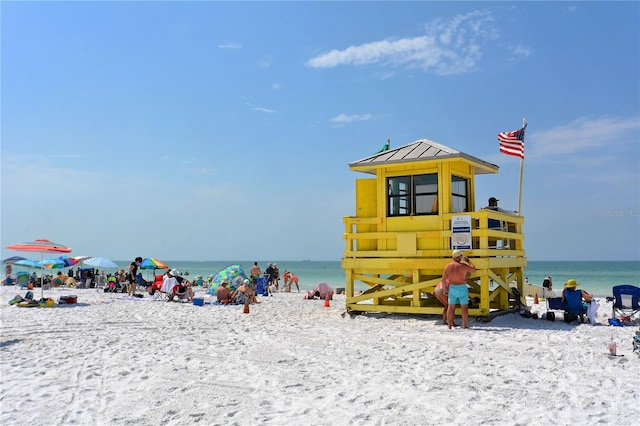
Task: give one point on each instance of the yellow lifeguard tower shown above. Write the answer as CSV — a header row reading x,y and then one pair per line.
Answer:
x,y
420,205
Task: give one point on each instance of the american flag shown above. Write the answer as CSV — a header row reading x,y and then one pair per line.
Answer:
x,y
512,143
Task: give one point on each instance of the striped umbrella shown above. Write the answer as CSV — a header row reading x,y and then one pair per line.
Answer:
x,y
152,263
41,246
52,263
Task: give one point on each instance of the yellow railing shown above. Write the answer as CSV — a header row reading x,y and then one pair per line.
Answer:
x,y
507,240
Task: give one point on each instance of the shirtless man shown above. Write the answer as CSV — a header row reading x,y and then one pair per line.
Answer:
x,y
255,273
454,279
224,293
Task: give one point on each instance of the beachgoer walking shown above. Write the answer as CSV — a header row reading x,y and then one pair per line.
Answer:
x,y
454,279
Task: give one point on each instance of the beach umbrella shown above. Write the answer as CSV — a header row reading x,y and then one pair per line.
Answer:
x,y
52,263
41,246
152,263
68,261
13,259
230,274
28,263
99,262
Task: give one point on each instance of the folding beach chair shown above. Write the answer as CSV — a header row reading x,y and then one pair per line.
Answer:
x,y
626,301
573,309
22,279
262,286
576,309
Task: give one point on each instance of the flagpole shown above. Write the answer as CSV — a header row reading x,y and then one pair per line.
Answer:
x,y
524,126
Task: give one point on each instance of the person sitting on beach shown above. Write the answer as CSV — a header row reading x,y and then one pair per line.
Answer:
x,y
590,305
168,282
442,296
184,285
224,294
571,285
244,293
59,279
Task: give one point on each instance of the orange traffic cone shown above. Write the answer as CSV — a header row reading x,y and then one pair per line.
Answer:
x,y
246,307
535,299
326,301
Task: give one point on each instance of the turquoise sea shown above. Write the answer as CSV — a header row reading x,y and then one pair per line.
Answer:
x,y
596,277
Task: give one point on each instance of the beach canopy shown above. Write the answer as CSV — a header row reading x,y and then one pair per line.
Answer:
x,y
231,274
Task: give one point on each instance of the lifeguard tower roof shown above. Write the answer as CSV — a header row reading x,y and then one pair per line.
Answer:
x,y
422,149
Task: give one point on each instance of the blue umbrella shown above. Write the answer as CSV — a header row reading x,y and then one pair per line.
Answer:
x,y
13,259
52,263
28,263
100,262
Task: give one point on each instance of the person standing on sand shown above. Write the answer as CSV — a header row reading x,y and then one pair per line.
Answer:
x,y
133,271
454,279
255,273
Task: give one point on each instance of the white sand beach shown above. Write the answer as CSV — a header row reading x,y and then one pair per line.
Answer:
x,y
109,360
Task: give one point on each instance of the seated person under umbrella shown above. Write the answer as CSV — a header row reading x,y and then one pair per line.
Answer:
x,y
244,293
224,294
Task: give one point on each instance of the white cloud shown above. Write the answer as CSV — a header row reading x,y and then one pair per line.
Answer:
x,y
520,52
448,47
228,45
275,86
258,108
343,118
583,134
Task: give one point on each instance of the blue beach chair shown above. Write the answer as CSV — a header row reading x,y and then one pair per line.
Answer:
x,y
626,301
262,286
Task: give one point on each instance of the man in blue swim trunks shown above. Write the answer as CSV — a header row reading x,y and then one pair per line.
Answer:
x,y
454,278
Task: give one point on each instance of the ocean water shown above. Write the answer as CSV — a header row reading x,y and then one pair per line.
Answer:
x,y
596,277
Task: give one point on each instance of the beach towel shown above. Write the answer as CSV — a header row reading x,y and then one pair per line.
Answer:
x,y
592,309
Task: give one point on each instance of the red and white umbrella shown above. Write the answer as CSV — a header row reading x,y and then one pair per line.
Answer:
x,y
42,247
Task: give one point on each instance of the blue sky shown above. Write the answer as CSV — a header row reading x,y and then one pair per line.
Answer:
x,y
224,130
